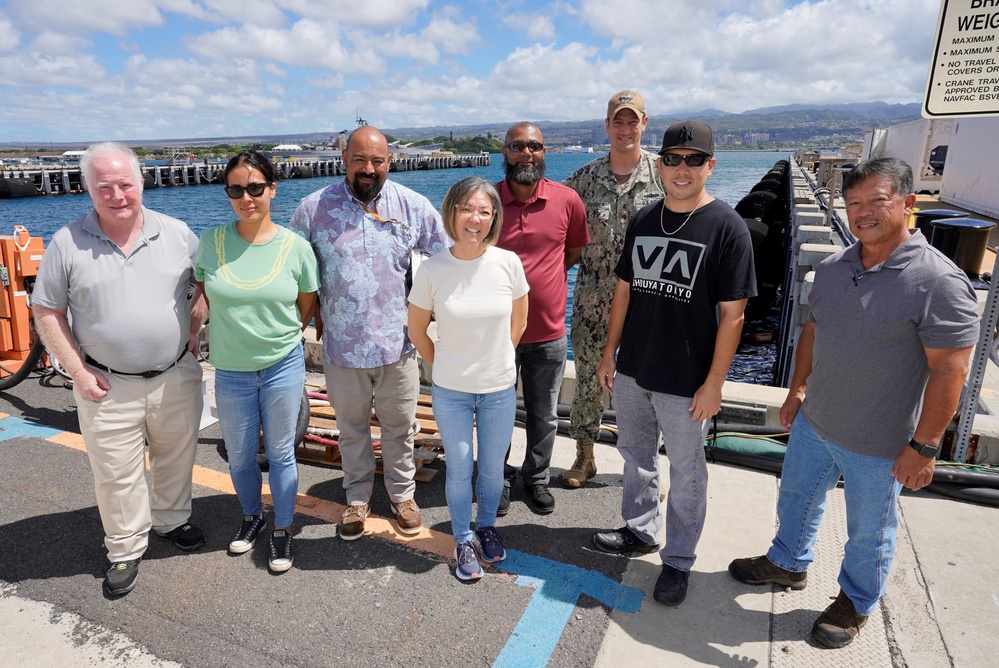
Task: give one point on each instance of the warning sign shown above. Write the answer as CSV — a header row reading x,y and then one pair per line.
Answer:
x,y
964,72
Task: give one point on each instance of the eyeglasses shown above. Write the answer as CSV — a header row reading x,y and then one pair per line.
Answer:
x,y
466,211
692,160
255,189
519,146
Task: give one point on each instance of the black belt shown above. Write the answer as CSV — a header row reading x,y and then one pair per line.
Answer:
x,y
144,374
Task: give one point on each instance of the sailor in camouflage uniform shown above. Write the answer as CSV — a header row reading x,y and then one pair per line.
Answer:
x,y
613,187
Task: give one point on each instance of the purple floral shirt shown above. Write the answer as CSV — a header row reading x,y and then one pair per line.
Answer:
x,y
362,268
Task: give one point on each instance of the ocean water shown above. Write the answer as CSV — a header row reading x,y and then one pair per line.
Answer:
x,y
207,205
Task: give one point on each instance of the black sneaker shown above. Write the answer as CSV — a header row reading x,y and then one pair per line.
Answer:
x,y
540,499
281,554
186,537
671,587
622,541
120,578
504,504
248,531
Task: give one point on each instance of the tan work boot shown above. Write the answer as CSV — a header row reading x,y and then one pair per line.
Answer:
x,y
582,469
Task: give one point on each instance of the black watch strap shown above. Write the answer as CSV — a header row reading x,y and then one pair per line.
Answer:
x,y
924,450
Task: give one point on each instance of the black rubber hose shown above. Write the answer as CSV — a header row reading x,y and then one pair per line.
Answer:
x,y
984,495
27,366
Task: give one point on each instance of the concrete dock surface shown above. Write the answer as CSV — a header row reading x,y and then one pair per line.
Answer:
x,y
393,600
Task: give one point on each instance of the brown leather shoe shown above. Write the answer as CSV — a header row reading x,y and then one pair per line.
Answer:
x,y
838,624
760,570
407,515
352,522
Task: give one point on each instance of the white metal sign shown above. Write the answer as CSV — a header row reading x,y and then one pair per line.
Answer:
x,y
964,72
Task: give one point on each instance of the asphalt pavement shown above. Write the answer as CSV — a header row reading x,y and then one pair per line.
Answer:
x,y
390,600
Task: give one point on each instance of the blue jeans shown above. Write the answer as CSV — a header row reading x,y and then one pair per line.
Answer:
x,y
269,399
813,466
641,416
492,415
541,367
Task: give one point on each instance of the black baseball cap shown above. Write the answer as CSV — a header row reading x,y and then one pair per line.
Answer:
x,y
688,134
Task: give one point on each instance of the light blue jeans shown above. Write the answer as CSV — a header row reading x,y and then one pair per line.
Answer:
x,y
641,416
812,467
269,399
492,415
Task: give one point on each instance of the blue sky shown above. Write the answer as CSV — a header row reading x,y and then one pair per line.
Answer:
x,y
84,70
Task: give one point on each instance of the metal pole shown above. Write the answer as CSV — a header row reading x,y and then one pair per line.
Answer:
x,y
979,364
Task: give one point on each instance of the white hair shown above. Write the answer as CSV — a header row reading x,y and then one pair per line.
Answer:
x,y
105,148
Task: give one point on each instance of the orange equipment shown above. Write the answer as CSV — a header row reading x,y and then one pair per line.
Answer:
x,y
20,255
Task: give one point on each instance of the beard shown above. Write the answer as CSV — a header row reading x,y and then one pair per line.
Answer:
x,y
525,176
366,189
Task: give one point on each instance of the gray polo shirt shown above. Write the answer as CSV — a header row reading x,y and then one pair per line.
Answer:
x,y
869,367
129,313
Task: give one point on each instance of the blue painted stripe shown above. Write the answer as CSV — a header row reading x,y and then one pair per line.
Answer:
x,y
13,427
557,589
596,585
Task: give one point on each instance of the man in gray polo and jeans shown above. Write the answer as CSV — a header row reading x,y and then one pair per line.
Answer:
x,y
122,273
884,356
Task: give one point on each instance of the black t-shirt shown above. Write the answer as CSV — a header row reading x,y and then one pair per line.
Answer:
x,y
676,283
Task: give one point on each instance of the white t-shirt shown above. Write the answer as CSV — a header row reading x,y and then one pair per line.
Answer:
x,y
472,301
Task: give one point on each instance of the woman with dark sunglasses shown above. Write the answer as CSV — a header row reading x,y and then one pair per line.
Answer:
x,y
261,281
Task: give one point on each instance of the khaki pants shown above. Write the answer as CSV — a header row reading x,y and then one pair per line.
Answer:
x,y
164,411
395,389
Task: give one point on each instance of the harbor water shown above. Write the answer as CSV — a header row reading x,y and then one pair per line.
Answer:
x,y
204,206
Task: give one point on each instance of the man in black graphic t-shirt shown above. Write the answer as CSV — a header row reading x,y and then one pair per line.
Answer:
x,y
685,275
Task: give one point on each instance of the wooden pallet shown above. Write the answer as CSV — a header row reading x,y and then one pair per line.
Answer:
x,y
427,443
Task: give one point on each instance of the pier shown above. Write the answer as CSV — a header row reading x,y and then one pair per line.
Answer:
x,y
42,180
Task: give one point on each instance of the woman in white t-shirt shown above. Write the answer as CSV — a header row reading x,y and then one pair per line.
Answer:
x,y
478,295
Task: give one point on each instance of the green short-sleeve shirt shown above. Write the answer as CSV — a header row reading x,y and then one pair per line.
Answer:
x,y
252,293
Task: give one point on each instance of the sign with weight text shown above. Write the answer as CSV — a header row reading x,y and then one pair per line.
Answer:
x,y
964,69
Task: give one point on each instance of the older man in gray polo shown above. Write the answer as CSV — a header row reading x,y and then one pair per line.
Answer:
x,y
121,274
878,372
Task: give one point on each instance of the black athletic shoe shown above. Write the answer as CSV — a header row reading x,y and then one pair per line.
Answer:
x,y
120,578
622,541
540,499
504,504
186,537
671,587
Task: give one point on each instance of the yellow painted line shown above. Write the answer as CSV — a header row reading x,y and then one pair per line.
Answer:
x,y
375,526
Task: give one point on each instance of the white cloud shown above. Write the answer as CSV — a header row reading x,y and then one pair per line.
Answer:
x,y
263,13
84,17
451,32
306,43
381,14
9,37
533,26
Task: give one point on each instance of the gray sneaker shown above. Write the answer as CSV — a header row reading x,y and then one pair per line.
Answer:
x,y
120,578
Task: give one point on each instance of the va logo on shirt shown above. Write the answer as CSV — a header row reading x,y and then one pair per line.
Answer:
x,y
666,267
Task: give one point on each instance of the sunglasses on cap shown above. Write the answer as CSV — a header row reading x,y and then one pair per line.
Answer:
x,y
255,189
692,160
532,146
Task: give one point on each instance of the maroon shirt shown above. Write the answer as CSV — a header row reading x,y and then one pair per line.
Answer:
x,y
539,231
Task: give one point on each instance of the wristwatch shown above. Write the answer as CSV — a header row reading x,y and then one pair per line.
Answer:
x,y
924,450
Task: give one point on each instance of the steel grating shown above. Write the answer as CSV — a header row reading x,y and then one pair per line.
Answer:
x,y
794,612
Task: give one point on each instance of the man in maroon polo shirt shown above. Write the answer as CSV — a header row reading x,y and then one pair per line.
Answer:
x,y
544,223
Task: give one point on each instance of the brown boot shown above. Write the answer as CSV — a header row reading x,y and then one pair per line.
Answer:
x,y
582,469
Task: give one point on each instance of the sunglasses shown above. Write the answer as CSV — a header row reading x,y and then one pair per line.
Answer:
x,y
255,190
692,160
532,146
